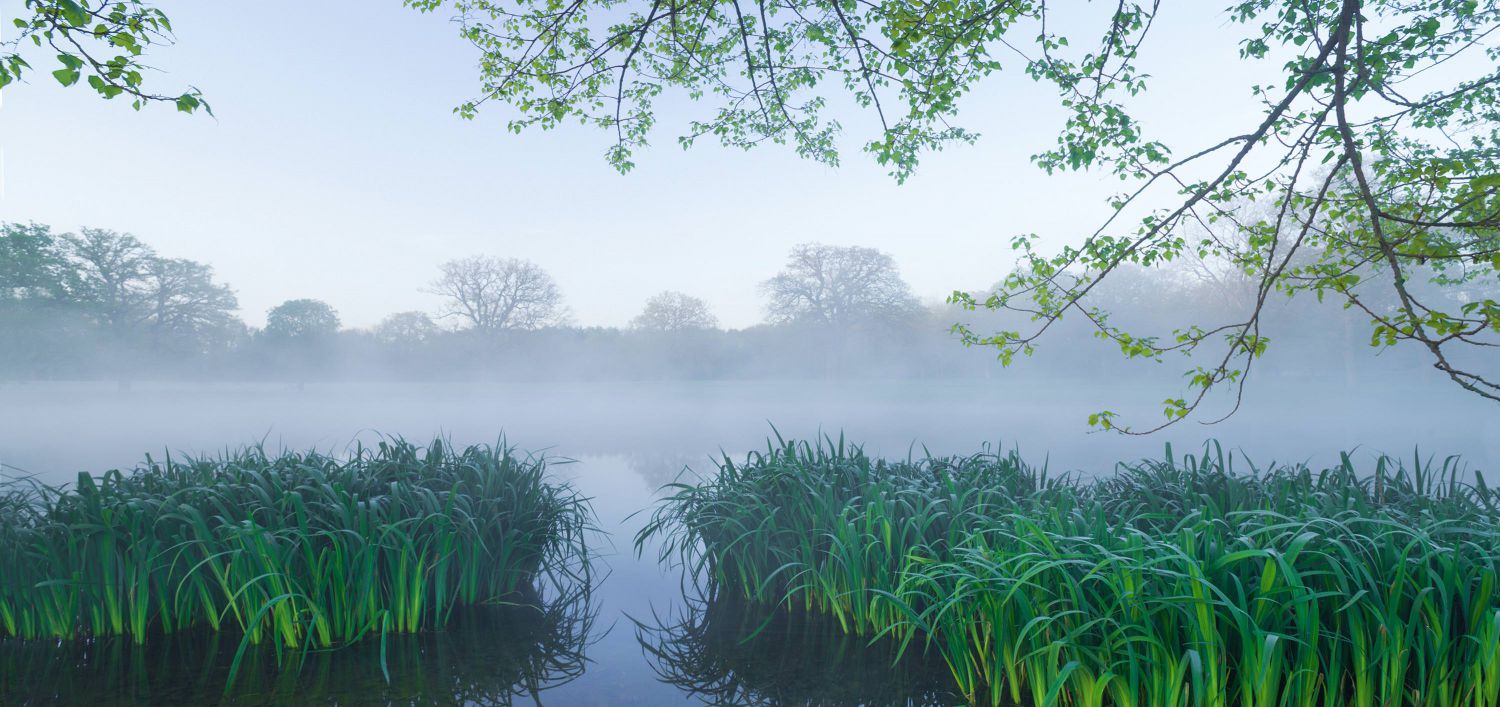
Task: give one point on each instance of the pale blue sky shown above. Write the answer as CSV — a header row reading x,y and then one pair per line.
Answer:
x,y
335,170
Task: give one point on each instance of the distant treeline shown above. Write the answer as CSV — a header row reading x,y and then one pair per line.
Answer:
x,y
97,304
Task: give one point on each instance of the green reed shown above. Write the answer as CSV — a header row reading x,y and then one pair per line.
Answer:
x,y
298,549
1169,583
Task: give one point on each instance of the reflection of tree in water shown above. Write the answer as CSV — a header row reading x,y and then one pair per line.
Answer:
x,y
488,655
661,467
725,650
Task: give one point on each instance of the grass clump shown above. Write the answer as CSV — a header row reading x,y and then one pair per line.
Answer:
x,y
1180,582
299,549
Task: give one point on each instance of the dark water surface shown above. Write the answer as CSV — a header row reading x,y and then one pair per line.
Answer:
x,y
642,635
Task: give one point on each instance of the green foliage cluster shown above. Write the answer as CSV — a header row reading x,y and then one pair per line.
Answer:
x,y
1170,583
765,68
301,550
101,42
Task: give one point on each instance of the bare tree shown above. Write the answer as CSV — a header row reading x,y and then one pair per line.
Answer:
x,y
499,294
675,311
839,287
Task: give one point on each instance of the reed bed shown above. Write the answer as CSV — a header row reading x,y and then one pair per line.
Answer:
x,y
1176,582
299,549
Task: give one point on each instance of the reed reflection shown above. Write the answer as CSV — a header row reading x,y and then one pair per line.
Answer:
x,y
723,650
489,655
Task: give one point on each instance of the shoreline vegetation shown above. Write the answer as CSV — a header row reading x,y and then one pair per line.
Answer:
x,y
300,550
1181,581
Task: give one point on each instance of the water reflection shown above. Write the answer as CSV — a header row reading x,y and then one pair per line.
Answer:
x,y
661,467
723,650
487,656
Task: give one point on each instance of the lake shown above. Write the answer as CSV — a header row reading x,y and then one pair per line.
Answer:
x,y
644,634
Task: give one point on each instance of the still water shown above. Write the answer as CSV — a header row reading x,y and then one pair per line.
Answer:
x,y
644,634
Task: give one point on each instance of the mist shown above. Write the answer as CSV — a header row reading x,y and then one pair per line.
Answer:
x,y
625,353
117,355
114,350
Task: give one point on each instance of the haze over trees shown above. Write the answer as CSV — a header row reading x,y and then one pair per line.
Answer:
x,y
110,273
406,329
301,338
674,311
302,320
839,287
492,294
56,287
189,310
54,333
1374,148
30,262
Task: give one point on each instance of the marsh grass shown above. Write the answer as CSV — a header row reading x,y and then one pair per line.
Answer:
x,y
299,550
1184,581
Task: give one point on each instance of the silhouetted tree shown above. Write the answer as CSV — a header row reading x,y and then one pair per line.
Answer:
x,y
301,334
675,311
42,332
141,299
188,311
109,276
302,320
31,262
839,287
498,294
404,329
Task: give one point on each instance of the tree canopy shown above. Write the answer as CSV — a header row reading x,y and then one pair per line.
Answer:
x,y
117,282
674,311
302,320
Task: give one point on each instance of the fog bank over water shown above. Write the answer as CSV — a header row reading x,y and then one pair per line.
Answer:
x,y
54,430
630,438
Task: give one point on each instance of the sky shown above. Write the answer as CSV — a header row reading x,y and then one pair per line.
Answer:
x,y
335,169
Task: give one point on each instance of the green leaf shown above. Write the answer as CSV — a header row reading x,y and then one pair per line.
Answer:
x,y
66,77
73,13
